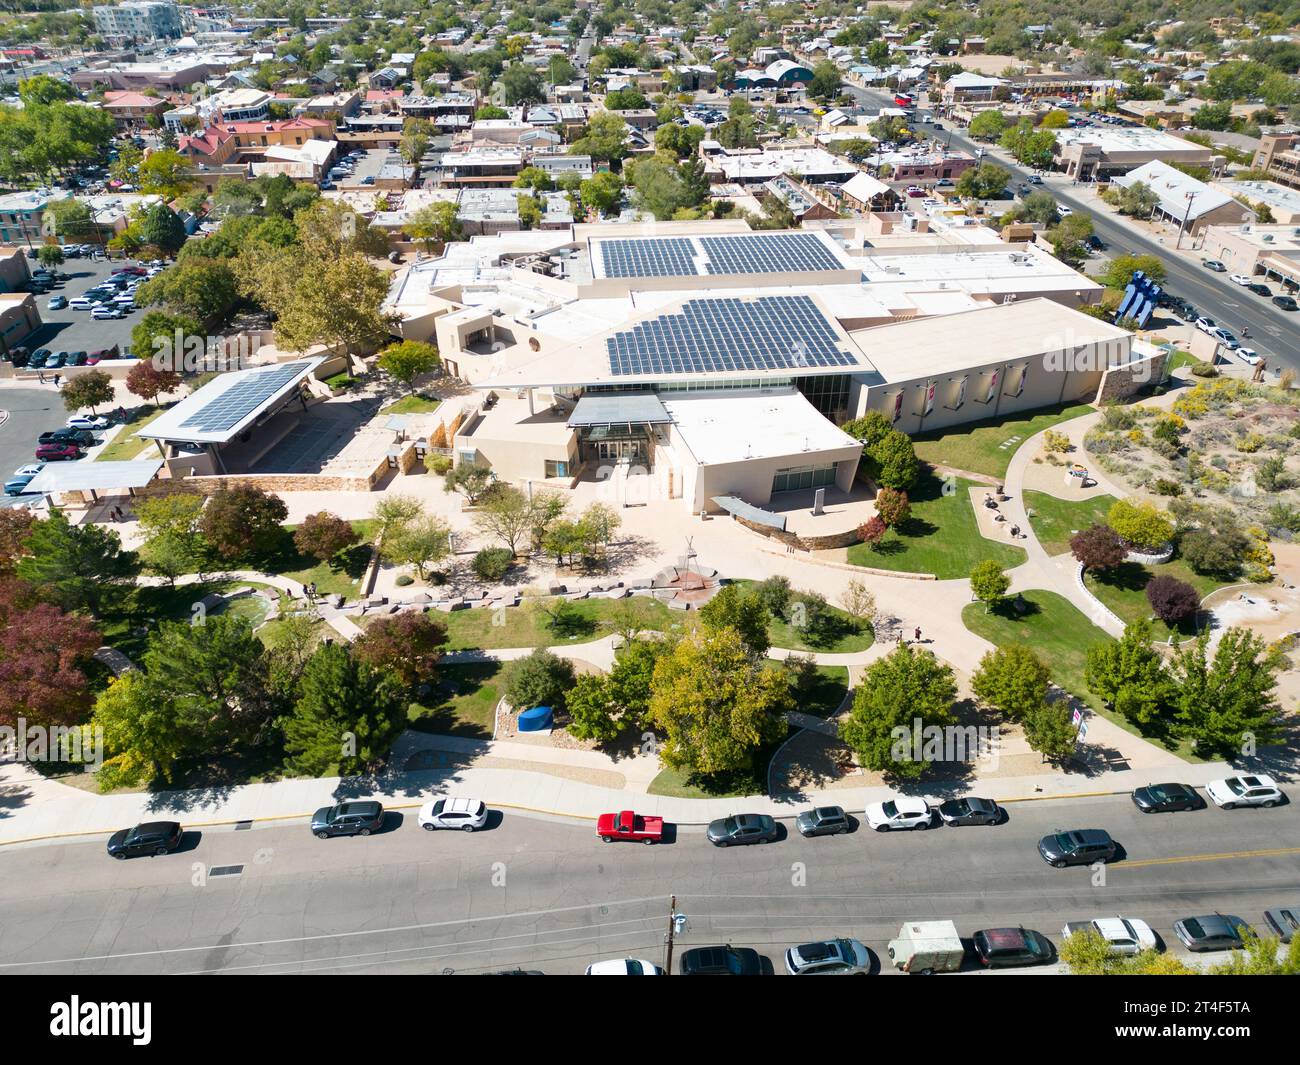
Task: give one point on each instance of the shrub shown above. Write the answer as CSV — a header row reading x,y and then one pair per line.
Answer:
x,y
1140,523
1204,369
404,580
1171,599
540,679
1213,552
1056,443
893,506
439,464
871,532
1163,486
1250,443
774,593
491,563
1271,475
1098,547
1118,418
323,535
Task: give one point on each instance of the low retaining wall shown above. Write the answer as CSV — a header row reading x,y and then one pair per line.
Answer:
x,y
802,543
1151,558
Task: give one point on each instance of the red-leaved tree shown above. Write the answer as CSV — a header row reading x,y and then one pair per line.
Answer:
x,y
42,655
1098,547
149,382
406,645
1171,599
323,535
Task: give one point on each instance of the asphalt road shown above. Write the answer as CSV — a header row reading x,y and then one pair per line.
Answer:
x,y
31,411
548,895
1274,333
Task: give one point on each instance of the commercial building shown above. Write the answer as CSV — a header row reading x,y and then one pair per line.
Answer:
x,y
1279,155
21,215
721,361
1092,152
1185,204
138,20
1283,203
1272,252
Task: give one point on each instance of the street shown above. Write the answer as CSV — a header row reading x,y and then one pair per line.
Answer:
x,y
546,894
1274,333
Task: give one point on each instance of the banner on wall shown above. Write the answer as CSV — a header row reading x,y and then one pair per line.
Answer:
x,y
898,404
1024,376
929,399
993,386
961,393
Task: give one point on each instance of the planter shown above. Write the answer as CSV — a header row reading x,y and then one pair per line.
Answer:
x,y
1151,558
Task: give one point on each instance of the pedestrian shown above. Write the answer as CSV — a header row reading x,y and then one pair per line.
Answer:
x,y
918,634
900,637
56,380
40,377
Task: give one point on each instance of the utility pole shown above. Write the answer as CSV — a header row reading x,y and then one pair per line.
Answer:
x,y
1189,196
668,939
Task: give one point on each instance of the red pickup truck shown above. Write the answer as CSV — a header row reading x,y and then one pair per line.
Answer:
x,y
628,825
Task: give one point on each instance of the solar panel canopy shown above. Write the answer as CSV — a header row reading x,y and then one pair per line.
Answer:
x,y
729,334
237,403
741,253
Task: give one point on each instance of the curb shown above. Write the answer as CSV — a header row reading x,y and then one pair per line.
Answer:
x,y
501,805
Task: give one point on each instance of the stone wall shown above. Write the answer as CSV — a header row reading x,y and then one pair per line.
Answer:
x,y
801,543
1141,375
270,482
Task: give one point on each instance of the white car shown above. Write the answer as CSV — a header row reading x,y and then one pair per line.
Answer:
x,y
446,812
1248,355
1206,325
1064,211
1254,790
1124,935
904,811
84,421
107,312
624,967
1239,279
81,303
30,470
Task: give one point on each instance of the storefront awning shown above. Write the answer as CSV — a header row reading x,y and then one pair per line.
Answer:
x,y
618,409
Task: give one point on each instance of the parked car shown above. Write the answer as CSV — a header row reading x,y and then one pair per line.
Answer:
x,y
905,811
1239,279
831,957
1063,211
30,470
57,303
1283,922
87,421
1260,289
67,435
75,358
348,819
1124,935
1035,179
970,811
915,190
1082,846
1162,798
823,821
1000,947
1206,325
55,359
82,303
464,814
1248,355
1215,265
1216,931
720,961
624,967
17,485
1286,303
37,358
151,837
627,825
1254,790
1224,337
742,829
103,313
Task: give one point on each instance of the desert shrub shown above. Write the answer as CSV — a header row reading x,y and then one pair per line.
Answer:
x,y
491,563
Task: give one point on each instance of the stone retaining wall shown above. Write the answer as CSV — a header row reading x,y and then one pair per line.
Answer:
x,y
801,543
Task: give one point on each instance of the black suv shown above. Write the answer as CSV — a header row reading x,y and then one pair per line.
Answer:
x,y
720,961
996,947
152,837
348,819
68,435
1083,846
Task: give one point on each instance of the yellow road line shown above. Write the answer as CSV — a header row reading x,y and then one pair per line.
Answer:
x,y
1226,856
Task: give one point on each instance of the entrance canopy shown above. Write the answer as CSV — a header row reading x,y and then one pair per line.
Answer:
x,y
87,476
740,509
618,409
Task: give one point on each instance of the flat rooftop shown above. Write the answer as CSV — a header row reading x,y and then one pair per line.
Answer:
x,y
1128,139
996,333
775,424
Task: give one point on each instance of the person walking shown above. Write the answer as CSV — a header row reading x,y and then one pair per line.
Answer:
x,y
918,634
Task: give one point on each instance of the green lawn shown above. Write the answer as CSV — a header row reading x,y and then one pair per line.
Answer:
x,y
826,693
941,536
340,575
986,447
1123,589
413,404
680,785
1056,520
126,445
530,624
839,634
129,615
463,701
1053,627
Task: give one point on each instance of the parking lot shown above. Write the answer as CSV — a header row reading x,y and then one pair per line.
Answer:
x,y
70,330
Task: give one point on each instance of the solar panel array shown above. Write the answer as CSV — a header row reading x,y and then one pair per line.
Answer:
x,y
653,257
712,336
239,401
768,253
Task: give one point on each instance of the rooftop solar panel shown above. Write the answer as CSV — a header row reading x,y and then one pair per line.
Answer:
x,y
767,253
712,336
238,402
649,257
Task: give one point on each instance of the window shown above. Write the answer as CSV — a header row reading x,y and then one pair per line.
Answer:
x,y
803,477
556,469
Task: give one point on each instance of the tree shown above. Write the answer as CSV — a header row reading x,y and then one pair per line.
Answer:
x,y
988,125
147,381
164,172
826,81
89,389
535,178
75,566
49,255
1216,551
508,515
908,689
1030,146
605,138
521,84
1049,730
433,225
412,147
347,717
628,99
43,655
421,543
1012,679
144,736
161,338
530,211
492,563
173,544
893,462
1055,119
15,530
1098,547
603,192
1140,524
1128,673
715,704
892,506
989,583
1138,200
161,227
742,611
872,531
592,713
470,479
323,535
409,359
1172,600
984,182
200,288
858,602
406,645
1226,704
540,679
243,522
1121,269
